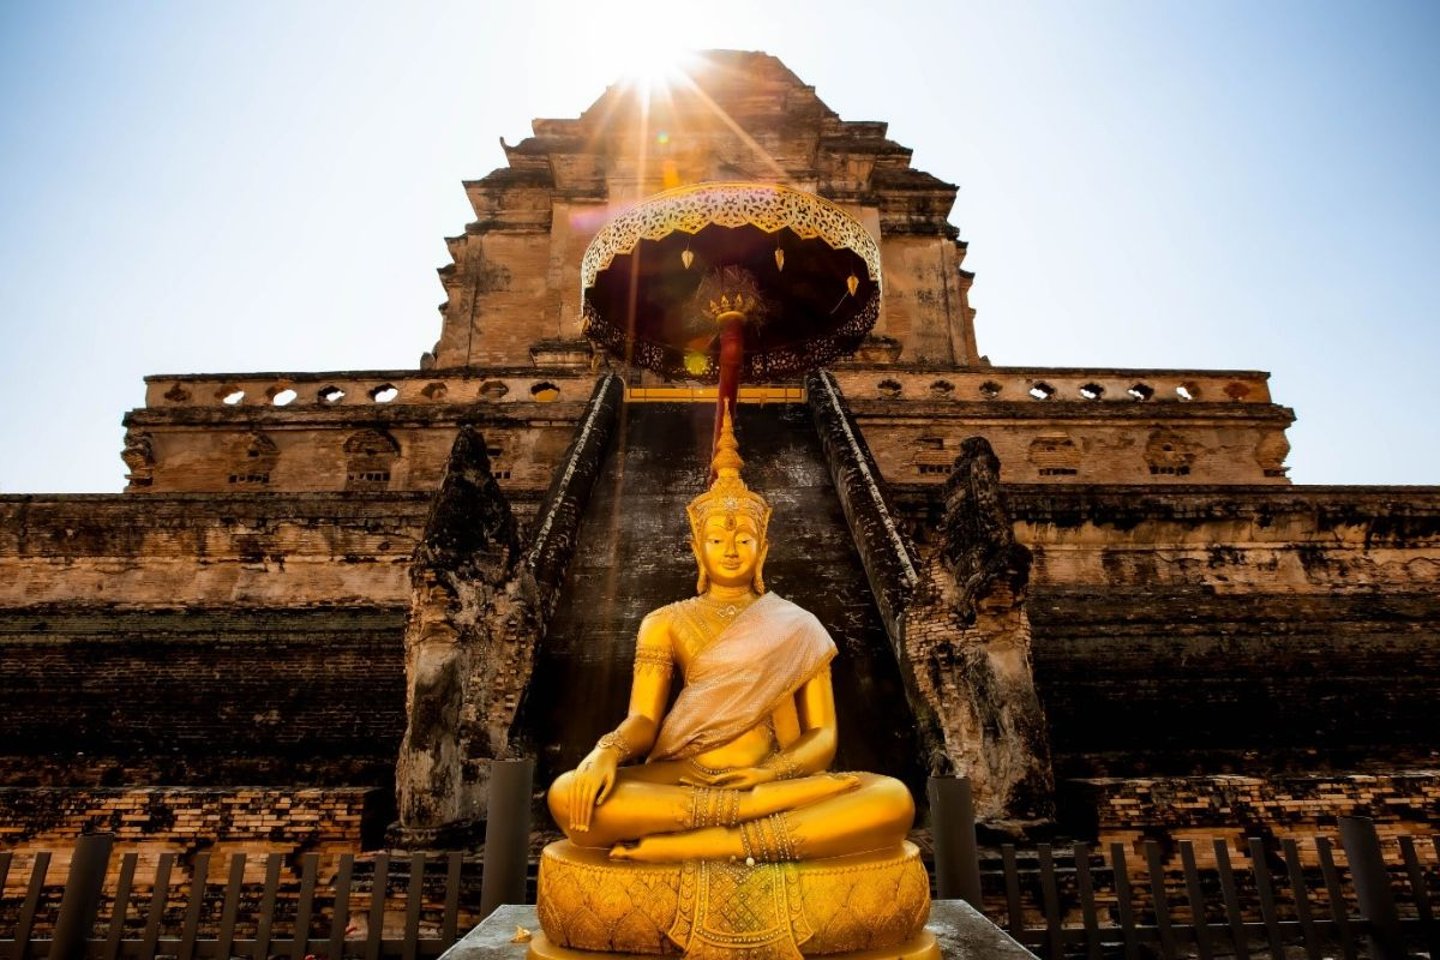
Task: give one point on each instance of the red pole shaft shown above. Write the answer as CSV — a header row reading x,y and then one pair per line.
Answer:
x,y
732,352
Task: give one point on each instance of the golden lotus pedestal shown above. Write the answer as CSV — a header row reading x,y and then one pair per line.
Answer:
x,y
848,908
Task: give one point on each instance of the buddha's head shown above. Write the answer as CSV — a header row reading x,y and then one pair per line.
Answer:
x,y
728,522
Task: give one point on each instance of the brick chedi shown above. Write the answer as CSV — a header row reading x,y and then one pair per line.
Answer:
x,y
1094,591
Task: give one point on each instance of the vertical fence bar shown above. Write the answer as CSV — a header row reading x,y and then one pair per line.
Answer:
x,y
1421,895
300,943
1012,890
1081,852
507,834
1335,892
414,895
450,923
80,903
1050,896
1296,869
1162,903
1124,904
1232,900
378,885
1372,887
116,932
266,924
340,909
952,826
1261,872
1197,900
26,921
199,877
228,913
159,896
4,868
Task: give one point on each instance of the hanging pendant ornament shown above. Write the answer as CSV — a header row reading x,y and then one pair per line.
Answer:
x,y
779,258
687,258
852,282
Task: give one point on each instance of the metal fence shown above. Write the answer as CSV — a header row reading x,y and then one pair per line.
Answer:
x,y
1313,898
269,906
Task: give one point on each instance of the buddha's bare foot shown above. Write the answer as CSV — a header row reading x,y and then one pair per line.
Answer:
x,y
711,843
778,796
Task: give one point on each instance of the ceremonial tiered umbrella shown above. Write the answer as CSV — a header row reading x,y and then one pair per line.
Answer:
x,y
720,282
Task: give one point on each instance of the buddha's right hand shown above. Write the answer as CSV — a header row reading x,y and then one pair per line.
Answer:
x,y
593,780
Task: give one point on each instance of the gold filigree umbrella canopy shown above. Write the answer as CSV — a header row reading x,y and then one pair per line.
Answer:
x,y
722,281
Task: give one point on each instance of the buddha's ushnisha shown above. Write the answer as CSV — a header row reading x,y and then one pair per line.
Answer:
x,y
736,767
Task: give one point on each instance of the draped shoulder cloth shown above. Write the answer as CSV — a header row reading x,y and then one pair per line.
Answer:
x,y
771,650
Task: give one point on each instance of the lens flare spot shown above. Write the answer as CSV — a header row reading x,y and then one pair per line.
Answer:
x,y
662,138
696,362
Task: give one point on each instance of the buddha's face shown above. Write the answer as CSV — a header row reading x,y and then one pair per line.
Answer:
x,y
730,549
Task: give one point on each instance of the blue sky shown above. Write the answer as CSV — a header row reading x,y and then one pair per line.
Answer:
x,y
265,186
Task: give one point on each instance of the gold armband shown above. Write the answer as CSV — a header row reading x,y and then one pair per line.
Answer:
x,y
651,659
613,741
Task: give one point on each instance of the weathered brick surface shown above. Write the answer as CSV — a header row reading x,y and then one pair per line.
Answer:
x,y
1234,808
185,821
200,696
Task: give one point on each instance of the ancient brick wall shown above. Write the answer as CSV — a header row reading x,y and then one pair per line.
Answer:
x,y
166,550
1234,808
203,639
154,821
1246,630
1066,426
200,695
355,431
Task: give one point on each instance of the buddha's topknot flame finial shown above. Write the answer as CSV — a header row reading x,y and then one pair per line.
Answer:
x,y
728,495
727,461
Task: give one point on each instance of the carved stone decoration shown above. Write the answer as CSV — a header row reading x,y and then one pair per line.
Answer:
x,y
369,458
479,607
253,459
1167,453
139,457
968,637
461,595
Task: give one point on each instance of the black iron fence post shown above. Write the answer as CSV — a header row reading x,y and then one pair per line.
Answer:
x,y
507,834
80,902
1372,887
952,829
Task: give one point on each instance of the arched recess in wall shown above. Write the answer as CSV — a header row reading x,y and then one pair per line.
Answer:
x,y
257,458
1054,456
369,458
1168,454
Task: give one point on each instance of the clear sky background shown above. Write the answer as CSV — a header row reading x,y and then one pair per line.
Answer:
x,y
264,186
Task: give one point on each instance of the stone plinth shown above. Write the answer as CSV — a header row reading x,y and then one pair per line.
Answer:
x,y
958,928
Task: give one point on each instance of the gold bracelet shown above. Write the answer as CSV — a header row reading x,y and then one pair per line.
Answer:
x,y
783,767
613,741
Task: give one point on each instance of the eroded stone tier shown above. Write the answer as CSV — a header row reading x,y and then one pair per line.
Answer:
x,y
392,430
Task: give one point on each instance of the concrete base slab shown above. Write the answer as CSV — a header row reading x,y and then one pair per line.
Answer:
x,y
962,932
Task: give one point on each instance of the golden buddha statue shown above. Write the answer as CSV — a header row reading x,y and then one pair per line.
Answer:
x,y
730,836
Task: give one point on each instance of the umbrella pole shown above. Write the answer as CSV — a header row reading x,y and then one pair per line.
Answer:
x,y
732,351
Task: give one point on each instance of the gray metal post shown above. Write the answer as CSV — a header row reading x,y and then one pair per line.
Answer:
x,y
1372,887
81,900
952,829
507,834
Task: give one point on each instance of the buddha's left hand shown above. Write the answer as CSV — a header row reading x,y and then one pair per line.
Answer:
x,y
741,778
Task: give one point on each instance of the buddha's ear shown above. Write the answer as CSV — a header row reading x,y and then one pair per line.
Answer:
x,y
759,581
702,581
